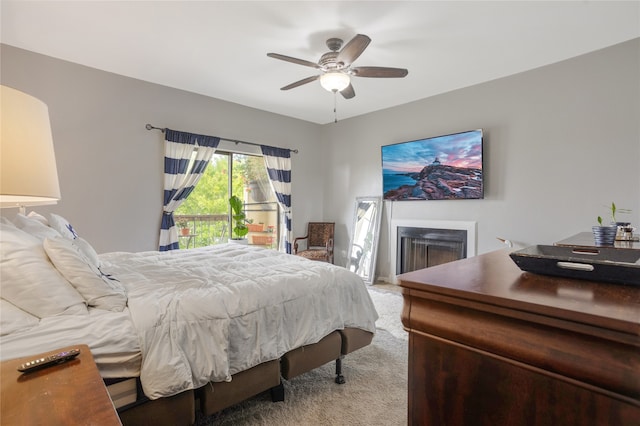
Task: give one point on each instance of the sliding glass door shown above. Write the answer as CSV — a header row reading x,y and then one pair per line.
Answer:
x,y
205,214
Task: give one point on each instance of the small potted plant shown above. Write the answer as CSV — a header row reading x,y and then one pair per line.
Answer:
x,y
240,221
605,235
183,225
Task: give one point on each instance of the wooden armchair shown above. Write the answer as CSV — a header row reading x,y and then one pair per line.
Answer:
x,y
319,242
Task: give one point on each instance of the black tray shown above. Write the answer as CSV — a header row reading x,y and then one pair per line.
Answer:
x,y
612,265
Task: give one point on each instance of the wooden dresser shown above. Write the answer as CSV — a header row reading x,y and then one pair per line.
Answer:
x,y
492,345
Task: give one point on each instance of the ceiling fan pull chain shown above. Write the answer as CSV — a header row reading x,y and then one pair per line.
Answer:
x,y
335,106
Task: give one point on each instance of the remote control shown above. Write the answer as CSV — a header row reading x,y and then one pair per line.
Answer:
x,y
48,361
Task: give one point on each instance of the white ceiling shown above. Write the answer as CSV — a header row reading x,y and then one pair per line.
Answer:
x,y
219,48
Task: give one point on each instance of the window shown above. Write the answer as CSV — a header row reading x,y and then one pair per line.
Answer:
x,y
205,214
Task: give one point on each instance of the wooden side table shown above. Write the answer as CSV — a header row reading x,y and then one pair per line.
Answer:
x,y
64,394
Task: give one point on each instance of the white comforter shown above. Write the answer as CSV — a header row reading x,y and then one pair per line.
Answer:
x,y
205,314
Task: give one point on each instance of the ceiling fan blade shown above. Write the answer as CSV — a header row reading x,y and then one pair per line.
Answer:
x,y
293,60
300,82
379,72
348,92
352,50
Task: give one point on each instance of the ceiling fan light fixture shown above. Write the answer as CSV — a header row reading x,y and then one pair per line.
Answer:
x,y
335,81
336,67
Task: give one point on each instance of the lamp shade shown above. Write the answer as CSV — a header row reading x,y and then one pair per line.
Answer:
x,y
28,173
335,81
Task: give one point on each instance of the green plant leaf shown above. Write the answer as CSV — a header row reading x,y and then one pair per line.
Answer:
x,y
239,217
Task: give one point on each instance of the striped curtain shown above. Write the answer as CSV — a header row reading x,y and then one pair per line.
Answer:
x,y
278,162
186,157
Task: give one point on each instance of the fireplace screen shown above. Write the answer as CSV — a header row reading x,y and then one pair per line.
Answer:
x,y
420,248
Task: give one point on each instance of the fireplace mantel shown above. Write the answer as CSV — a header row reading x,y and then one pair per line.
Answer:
x,y
469,226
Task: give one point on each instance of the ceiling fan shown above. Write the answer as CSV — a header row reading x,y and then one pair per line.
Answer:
x,y
336,69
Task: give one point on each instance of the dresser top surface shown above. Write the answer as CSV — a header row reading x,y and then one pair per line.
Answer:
x,y
494,279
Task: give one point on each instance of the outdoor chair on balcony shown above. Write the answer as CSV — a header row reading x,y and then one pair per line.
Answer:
x,y
319,242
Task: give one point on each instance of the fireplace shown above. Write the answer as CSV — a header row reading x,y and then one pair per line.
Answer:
x,y
418,244
419,248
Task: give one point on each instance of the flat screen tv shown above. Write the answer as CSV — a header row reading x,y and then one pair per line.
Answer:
x,y
445,167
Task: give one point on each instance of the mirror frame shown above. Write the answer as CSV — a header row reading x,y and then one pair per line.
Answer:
x,y
377,201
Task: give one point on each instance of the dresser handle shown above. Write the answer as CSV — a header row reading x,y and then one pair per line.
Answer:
x,y
575,266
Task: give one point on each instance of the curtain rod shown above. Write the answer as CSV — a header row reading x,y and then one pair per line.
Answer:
x,y
150,127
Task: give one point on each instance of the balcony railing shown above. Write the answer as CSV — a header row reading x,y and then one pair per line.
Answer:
x,y
203,230
206,230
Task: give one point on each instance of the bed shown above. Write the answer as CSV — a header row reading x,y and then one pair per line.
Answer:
x,y
177,332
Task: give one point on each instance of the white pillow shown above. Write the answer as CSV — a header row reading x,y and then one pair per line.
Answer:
x,y
88,251
30,281
13,319
38,217
63,226
34,227
98,291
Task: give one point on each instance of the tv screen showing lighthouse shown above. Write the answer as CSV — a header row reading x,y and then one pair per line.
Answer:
x,y
445,167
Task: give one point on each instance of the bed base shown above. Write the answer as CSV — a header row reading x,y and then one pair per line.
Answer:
x,y
214,397
351,339
178,410
217,396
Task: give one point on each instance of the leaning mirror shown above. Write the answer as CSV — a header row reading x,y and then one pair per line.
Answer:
x,y
364,237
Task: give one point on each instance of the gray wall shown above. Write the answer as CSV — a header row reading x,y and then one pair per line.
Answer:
x,y
561,142
110,167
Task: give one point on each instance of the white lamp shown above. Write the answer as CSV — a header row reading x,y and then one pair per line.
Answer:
x,y
335,81
28,173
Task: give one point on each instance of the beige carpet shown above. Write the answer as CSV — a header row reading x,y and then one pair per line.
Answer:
x,y
375,392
